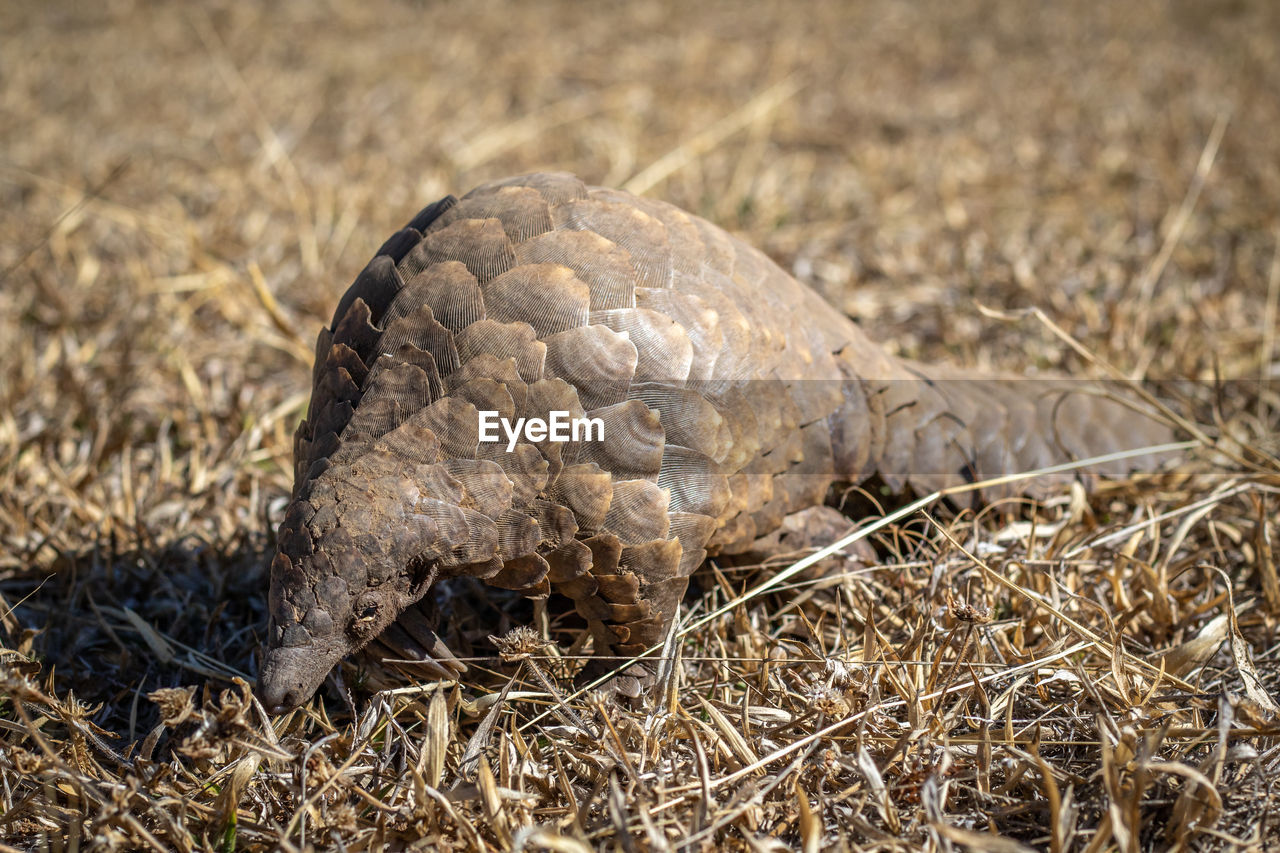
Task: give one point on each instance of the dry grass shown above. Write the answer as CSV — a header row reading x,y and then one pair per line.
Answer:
x,y
185,189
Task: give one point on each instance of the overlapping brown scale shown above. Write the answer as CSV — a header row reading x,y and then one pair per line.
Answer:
x,y
504,371
759,490
699,320
524,467
986,427
550,395
555,187
646,633
1071,415
688,418
768,297
338,394
301,455
522,211
1034,450
696,483
765,340
596,360
481,245
850,429
342,356
621,588
403,379
1019,415
717,247
486,488
634,638
399,244
429,214
556,523
412,441
636,232
579,590
571,569
663,597
465,536
616,616
490,339
518,535
971,409
599,262
377,285
638,512
585,591
823,364
436,482
906,405
356,330
735,535
739,491
455,423
549,297
938,460
449,289
421,330
353,482
733,362
606,551
632,445
753,272
776,419
410,354
664,352
737,413
324,342
687,249
526,574
768,517
488,395
692,531
877,422
541,398
817,397
1067,413
587,490
654,561
332,399
392,394
621,592
319,452
817,454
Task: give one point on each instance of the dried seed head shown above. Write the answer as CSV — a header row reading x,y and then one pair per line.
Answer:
x,y
518,643
829,702
175,703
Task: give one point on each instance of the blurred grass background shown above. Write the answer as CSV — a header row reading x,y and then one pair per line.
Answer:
x,y
186,189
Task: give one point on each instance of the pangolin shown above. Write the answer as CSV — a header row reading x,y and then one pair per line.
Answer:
x,y
725,395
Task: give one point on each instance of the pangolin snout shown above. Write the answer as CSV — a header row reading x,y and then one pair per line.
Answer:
x,y
290,675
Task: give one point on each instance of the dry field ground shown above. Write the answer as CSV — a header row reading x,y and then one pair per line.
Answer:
x,y
186,189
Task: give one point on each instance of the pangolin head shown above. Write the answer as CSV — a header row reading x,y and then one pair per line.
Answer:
x,y
354,551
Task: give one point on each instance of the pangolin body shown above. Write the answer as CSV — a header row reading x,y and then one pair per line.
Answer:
x,y
729,395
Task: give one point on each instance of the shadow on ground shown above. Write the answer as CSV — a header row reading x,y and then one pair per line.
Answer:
x,y
113,624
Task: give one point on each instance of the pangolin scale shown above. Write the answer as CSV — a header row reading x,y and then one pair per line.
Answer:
x,y
730,396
